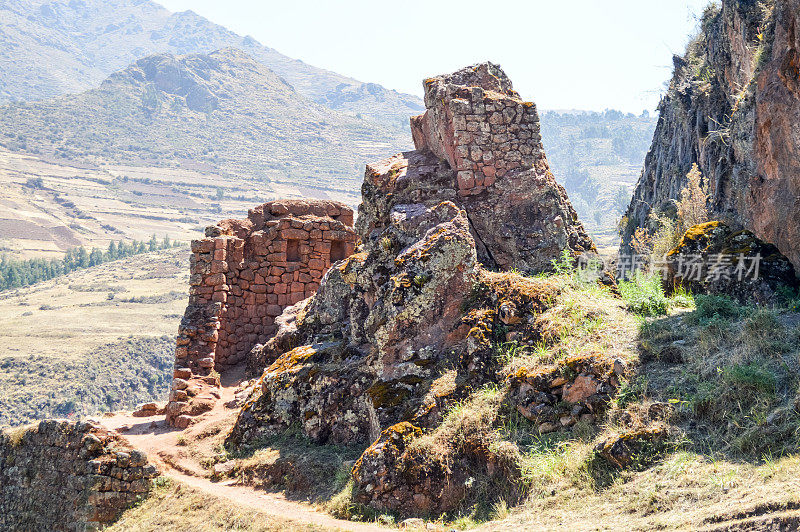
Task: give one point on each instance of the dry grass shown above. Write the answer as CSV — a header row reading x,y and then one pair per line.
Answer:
x,y
584,320
172,506
65,339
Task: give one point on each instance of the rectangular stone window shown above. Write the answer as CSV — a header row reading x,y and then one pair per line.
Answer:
x,y
338,250
292,250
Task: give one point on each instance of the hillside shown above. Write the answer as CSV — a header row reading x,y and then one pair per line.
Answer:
x,y
95,340
49,48
221,112
597,157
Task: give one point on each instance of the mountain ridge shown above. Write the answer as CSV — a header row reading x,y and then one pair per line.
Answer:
x,y
57,47
224,109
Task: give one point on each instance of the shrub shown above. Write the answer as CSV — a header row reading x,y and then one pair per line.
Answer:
x,y
693,205
714,308
644,294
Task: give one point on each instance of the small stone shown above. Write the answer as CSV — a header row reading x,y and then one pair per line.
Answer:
x,y
414,522
619,367
225,468
182,373
544,428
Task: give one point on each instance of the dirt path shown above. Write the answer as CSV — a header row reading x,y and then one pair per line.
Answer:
x,y
178,454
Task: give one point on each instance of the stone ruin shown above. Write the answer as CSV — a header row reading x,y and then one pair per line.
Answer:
x,y
407,326
243,275
478,150
478,146
66,475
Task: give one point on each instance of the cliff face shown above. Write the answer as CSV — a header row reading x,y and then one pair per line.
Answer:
x,y
732,107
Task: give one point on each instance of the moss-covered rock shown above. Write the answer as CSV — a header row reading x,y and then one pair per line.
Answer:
x,y
715,258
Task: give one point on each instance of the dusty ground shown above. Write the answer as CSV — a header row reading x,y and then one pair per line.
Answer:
x,y
180,455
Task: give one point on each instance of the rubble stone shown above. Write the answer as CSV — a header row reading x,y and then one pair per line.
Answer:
x,y
63,475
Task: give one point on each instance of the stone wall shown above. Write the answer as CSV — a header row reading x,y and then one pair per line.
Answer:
x,y
479,125
62,475
243,275
479,146
245,272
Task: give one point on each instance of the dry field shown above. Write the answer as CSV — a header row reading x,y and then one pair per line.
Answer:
x,y
93,340
90,206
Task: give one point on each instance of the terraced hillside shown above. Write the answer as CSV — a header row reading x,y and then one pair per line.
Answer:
x,y
95,340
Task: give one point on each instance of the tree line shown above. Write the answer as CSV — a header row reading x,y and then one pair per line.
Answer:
x,y
21,273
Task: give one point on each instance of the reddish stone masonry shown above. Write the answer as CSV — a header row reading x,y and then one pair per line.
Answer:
x,y
479,125
243,275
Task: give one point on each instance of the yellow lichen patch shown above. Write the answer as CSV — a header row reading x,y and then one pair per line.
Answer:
x,y
519,289
695,233
387,394
395,437
291,359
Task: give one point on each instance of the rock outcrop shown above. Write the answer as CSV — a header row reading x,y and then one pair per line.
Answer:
x,y
244,274
62,475
713,258
367,345
478,146
409,324
733,107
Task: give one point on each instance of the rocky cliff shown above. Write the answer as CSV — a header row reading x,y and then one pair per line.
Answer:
x,y
733,107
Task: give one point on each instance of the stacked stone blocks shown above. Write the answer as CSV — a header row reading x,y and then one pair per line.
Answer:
x,y
64,475
245,272
479,125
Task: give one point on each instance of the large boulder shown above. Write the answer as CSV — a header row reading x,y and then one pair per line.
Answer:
x,y
715,258
732,108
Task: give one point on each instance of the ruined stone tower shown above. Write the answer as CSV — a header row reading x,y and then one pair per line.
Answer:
x,y
478,145
243,274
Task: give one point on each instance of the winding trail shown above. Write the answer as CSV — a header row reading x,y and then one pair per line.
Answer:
x,y
167,448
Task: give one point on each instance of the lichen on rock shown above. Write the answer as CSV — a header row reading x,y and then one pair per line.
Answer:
x,y
407,326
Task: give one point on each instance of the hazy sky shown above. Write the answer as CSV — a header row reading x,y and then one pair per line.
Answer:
x,y
562,54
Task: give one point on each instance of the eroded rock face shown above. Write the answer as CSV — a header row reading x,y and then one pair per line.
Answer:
x,y
739,120
62,475
478,145
370,340
713,258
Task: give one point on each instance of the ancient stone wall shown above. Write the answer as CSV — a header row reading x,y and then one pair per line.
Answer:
x,y
62,475
479,146
479,125
245,272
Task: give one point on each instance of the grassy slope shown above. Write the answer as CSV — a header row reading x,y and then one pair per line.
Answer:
x,y
727,376
723,379
66,347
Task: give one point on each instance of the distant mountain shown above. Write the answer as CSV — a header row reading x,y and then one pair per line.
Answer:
x,y
53,47
598,158
223,110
